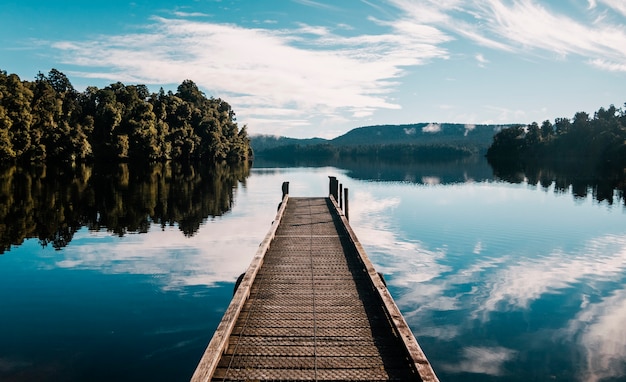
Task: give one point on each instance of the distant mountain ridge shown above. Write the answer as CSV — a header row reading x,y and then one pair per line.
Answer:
x,y
475,137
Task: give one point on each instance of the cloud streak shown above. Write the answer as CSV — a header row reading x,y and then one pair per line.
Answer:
x,y
530,27
306,71
321,75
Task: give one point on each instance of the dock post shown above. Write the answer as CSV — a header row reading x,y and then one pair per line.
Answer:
x,y
333,187
345,209
285,189
341,196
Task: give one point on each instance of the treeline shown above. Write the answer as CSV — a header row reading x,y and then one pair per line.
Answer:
x,y
52,203
598,141
386,152
47,120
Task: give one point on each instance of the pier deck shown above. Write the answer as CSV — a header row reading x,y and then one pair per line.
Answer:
x,y
312,308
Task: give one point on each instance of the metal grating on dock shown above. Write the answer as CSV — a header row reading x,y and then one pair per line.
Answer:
x,y
312,312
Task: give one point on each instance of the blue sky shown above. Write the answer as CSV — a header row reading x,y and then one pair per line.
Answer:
x,y
306,68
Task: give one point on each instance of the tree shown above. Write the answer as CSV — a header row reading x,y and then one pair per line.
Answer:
x,y
533,135
507,142
547,130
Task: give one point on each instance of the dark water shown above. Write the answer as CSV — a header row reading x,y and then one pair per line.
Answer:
x,y
123,275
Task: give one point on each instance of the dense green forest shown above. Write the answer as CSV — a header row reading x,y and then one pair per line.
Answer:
x,y
597,142
47,120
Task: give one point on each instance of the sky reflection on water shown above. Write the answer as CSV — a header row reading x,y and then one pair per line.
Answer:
x,y
497,281
502,280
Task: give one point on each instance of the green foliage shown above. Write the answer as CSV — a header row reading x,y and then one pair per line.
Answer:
x,y
48,120
598,141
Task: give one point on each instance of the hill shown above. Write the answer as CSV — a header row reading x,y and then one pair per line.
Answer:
x,y
419,139
260,143
423,134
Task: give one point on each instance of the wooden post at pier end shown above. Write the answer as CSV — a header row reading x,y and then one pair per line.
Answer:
x,y
333,187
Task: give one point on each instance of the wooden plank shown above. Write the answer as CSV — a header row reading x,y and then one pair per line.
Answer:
x,y
416,353
219,342
312,307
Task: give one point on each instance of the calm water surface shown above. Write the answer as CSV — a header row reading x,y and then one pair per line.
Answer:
x,y
499,281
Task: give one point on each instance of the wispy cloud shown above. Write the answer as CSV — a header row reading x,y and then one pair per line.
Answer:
x,y
529,26
323,72
316,4
309,69
482,61
190,14
616,5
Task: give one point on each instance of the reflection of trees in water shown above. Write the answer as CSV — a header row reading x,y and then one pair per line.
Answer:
x,y
473,168
578,177
51,204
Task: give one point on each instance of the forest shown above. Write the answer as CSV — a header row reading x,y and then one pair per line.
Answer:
x,y
597,143
48,121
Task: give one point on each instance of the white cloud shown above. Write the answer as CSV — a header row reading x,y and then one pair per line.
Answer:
x,y
617,5
432,128
609,66
482,61
527,26
325,72
189,14
309,70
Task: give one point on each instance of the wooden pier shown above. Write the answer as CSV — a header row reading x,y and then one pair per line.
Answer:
x,y
311,307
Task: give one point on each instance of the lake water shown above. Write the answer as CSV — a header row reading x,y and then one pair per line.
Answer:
x,y
499,281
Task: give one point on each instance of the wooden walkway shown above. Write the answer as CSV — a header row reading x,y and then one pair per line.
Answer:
x,y
312,308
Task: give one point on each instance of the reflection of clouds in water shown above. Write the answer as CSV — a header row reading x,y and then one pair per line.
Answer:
x,y
481,360
410,266
601,330
478,248
217,253
424,284
517,285
410,263
431,180
8,365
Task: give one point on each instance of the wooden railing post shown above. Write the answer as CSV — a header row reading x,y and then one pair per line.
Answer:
x,y
333,187
285,189
345,204
341,195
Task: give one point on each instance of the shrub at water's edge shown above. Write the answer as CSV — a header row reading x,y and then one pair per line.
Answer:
x,y
47,120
